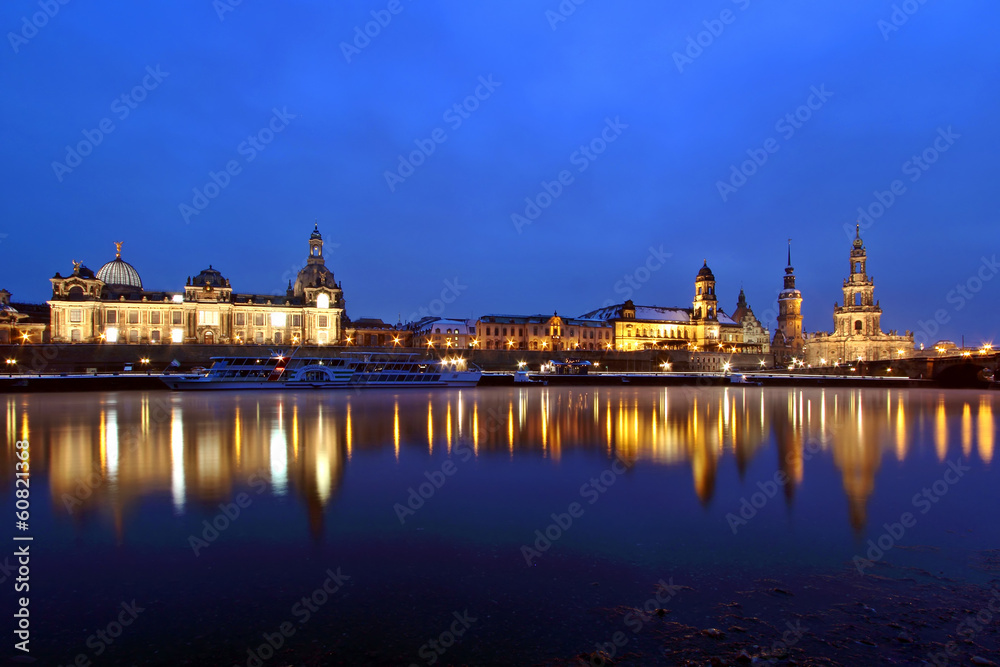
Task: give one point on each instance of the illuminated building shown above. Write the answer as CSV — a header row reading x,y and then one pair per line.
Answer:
x,y
16,326
788,342
857,331
702,328
543,332
113,306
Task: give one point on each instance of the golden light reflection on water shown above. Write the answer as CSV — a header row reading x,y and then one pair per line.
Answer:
x,y
196,449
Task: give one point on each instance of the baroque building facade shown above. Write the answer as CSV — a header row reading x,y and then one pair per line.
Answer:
x,y
789,343
703,327
857,334
543,333
112,306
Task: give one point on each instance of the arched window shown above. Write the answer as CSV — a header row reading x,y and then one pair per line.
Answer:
x,y
699,291
857,325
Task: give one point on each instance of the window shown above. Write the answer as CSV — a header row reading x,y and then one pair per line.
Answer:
x,y
208,318
177,317
259,337
111,334
699,291
177,335
277,338
322,300
857,325
258,319
535,330
570,333
241,319
322,321
76,315
296,320
472,331
439,330
857,267
133,336
278,320
857,299
591,334
154,317
112,317
155,336
74,336
133,316
505,331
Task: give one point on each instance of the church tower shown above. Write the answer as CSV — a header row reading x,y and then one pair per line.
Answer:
x,y
788,341
705,305
860,315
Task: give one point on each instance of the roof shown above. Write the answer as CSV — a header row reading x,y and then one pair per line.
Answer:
x,y
119,273
652,314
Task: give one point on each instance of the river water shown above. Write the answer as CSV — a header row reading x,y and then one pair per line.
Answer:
x,y
526,525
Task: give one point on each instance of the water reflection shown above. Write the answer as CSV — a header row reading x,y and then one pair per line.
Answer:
x,y
112,450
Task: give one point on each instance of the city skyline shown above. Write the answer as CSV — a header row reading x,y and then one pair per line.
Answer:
x,y
713,132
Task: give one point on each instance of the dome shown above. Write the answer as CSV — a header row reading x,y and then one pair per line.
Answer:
x,y
706,272
315,233
119,273
313,275
210,277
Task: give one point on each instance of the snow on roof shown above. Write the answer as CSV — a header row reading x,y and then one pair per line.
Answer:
x,y
652,314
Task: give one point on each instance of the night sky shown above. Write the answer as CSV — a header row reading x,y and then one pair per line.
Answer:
x,y
631,115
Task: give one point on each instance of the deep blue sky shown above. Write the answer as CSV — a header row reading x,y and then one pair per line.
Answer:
x,y
655,185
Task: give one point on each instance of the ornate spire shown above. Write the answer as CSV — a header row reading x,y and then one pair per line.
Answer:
x,y
789,252
118,249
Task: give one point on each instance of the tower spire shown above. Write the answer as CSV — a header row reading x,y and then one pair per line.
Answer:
x,y
789,252
857,229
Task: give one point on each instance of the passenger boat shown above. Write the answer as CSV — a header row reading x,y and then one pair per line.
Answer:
x,y
411,370
277,371
352,370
